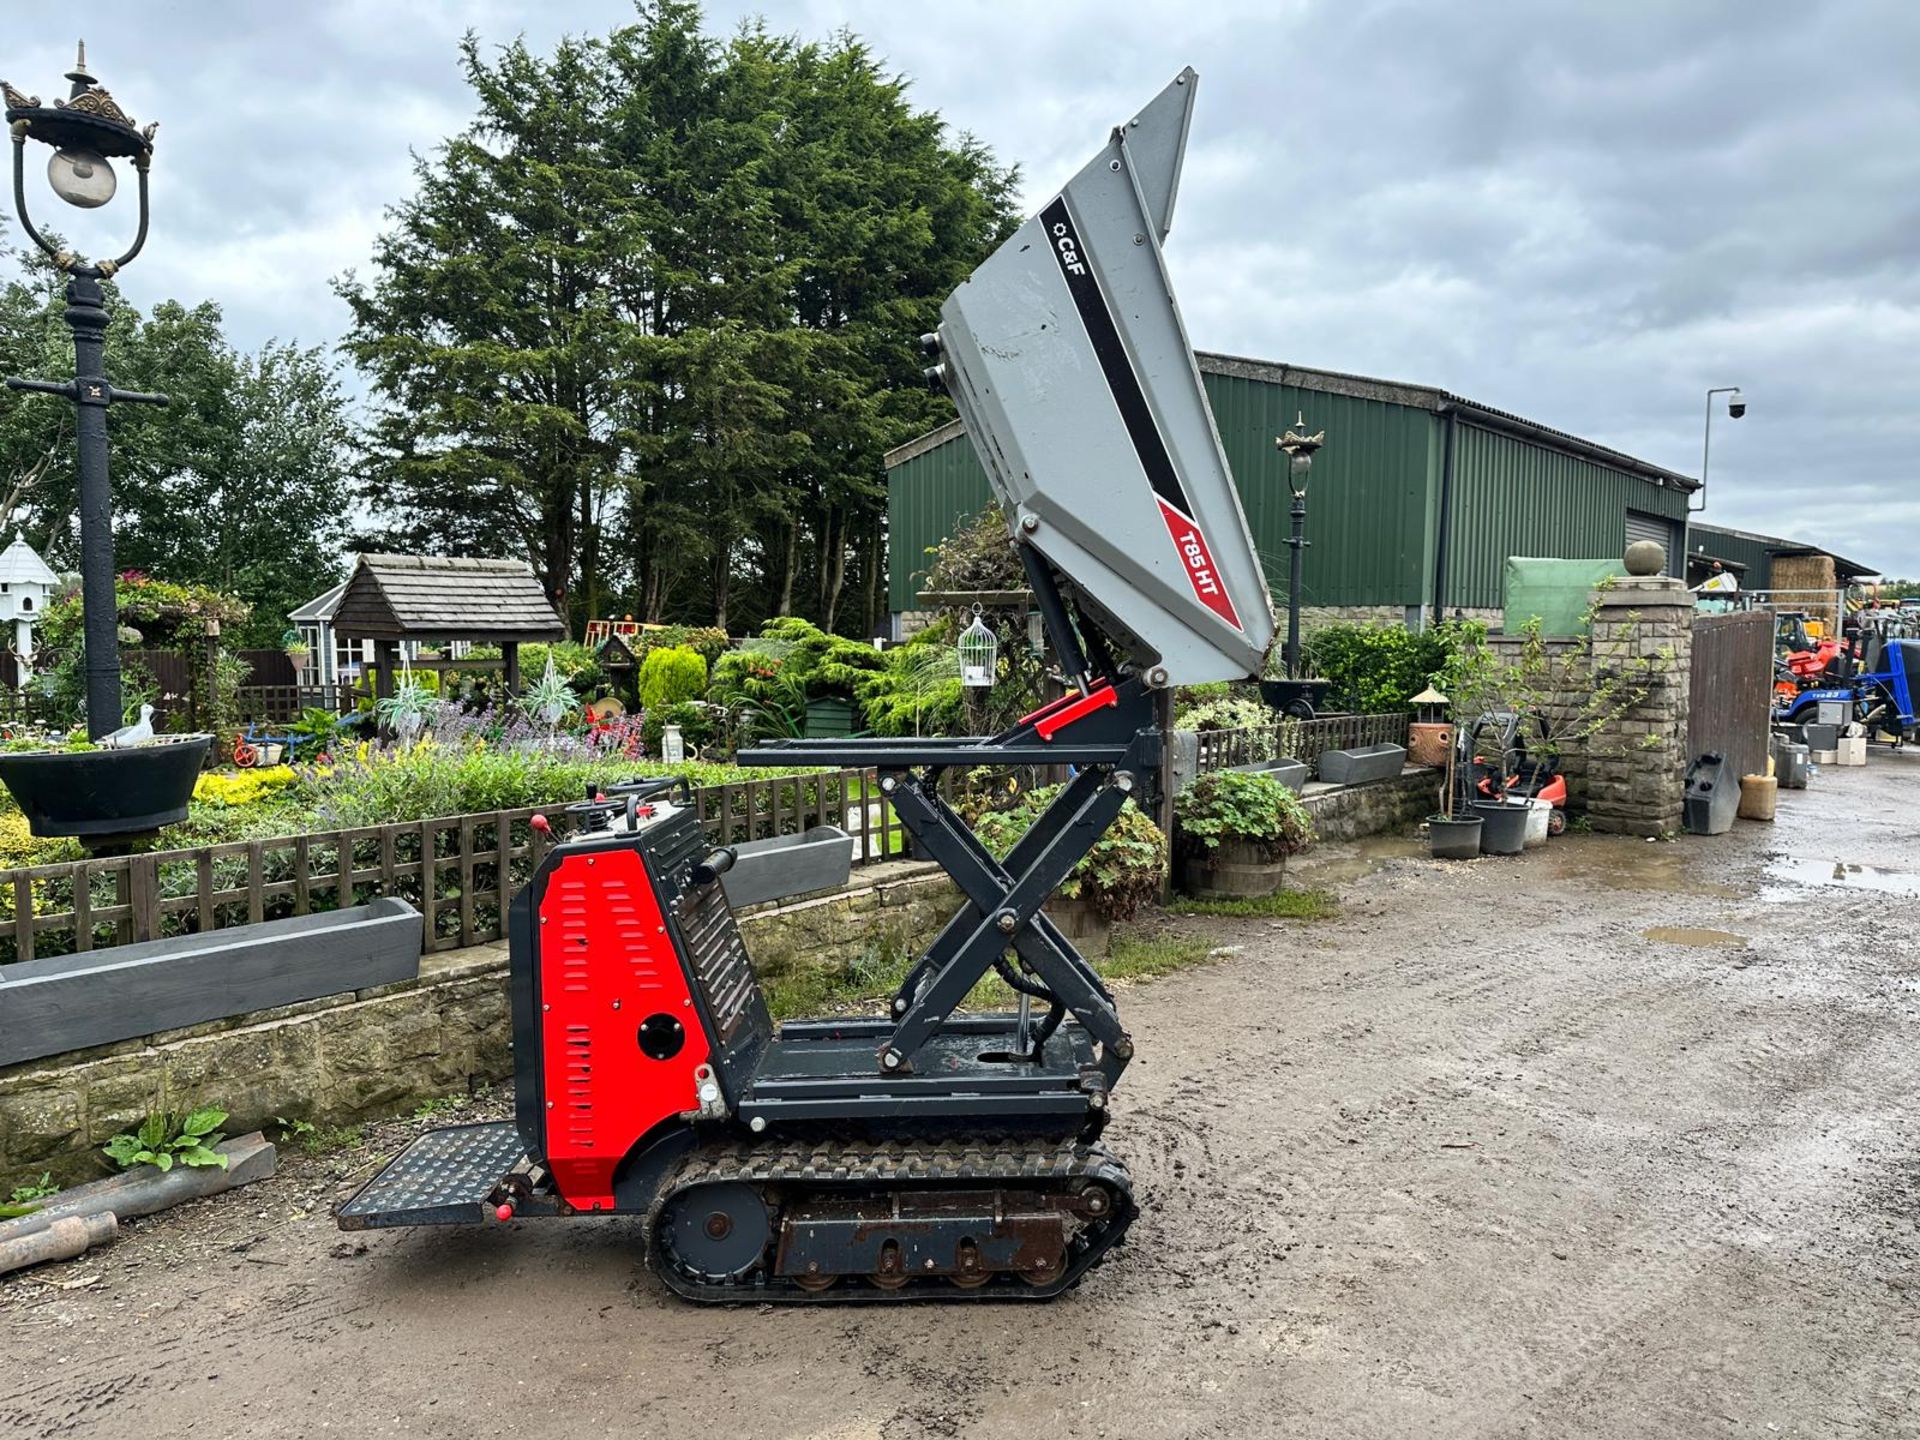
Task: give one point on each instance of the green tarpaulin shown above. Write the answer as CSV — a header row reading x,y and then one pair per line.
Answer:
x,y
1555,591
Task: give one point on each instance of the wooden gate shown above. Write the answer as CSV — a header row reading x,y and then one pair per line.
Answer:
x,y
1730,696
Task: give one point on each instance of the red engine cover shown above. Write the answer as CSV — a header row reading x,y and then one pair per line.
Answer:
x,y
607,966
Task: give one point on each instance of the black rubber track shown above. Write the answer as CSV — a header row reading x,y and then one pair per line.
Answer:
x,y
839,1167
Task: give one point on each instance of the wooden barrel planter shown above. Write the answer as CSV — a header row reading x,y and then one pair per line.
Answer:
x,y
1232,870
1084,924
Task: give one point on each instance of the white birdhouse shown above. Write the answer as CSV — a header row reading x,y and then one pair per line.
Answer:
x,y
26,585
979,651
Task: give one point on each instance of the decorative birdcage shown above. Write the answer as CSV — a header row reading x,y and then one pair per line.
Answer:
x,y
979,652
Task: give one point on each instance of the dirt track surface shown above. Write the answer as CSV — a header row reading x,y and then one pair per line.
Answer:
x,y
1476,1159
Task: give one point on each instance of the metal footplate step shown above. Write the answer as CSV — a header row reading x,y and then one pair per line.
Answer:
x,y
443,1178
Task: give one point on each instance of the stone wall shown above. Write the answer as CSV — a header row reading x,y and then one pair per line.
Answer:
x,y
376,1052
1349,812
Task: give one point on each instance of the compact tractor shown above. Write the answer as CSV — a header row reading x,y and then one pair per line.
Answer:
x,y
926,1152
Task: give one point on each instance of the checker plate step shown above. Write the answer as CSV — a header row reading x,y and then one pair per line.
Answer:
x,y
443,1178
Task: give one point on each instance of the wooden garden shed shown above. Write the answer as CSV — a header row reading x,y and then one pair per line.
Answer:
x,y
391,599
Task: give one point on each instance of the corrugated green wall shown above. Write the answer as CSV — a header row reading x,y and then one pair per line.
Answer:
x,y
1738,548
928,498
1368,520
1370,516
1514,497
1373,499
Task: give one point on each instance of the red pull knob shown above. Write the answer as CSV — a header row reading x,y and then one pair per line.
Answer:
x,y
542,824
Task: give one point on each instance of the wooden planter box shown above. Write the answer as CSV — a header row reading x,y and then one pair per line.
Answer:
x,y
68,1002
786,865
1233,870
1367,763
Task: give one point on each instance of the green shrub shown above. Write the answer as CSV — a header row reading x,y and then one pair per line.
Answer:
x,y
699,724
1238,805
1231,712
919,691
709,642
1123,870
671,675
1377,668
792,658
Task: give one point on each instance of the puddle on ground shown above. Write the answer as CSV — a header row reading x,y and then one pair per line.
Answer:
x,y
1689,935
1798,872
1617,863
1326,866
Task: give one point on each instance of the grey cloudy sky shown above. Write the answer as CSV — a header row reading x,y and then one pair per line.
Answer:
x,y
1583,212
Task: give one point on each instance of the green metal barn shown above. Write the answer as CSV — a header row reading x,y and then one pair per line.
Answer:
x,y
1416,502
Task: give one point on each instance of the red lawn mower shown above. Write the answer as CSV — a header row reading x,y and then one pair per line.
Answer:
x,y
1500,763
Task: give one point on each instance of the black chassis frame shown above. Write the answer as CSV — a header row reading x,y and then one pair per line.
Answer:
x,y
1116,748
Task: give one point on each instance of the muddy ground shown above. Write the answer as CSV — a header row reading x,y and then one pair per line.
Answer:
x,y
1477,1158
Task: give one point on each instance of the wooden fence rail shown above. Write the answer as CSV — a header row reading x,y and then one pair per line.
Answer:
x,y
458,870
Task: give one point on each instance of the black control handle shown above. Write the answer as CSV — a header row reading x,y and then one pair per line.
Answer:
x,y
716,864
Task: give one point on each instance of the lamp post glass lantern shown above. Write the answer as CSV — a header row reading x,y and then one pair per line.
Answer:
x,y
86,132
1299,448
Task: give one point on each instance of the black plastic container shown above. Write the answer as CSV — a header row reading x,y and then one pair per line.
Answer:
x,y
1454,837
1503,829
106,792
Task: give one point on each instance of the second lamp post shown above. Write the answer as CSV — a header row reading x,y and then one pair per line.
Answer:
x,y
1299,448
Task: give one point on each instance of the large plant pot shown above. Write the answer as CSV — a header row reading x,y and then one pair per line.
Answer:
x,y
1084,924
1503,828
1453,838
1233,870
106,792
1427,742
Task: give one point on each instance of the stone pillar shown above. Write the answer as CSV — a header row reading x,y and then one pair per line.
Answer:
x,y
1634,786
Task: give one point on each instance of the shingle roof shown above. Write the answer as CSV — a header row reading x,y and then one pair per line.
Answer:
x,y
437,597
20,564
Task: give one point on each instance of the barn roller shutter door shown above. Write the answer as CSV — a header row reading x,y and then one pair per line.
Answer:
x,y
1663,532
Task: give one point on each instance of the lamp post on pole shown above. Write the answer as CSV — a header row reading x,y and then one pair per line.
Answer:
x,y
1299,449
86,130
1736,407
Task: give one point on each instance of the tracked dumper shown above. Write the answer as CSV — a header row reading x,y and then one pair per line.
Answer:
x,y
923,1153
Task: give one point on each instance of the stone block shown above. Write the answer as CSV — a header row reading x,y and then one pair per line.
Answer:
x,y
39,1123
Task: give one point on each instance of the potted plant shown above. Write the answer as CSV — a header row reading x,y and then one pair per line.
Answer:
x,y
1234,830
298,651
1123,871
549,699
407,710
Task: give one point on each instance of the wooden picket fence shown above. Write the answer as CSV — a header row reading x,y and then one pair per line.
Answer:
x,y
1303,740
459,871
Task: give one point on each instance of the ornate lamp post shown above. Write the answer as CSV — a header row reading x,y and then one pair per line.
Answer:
x,y
1299,449
87,131
112,795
